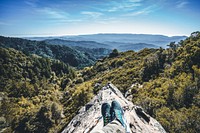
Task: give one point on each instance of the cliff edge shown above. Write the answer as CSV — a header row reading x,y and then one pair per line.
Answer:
x,y
89,117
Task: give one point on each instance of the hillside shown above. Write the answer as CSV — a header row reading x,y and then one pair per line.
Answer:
x,y
69,55
121,46
92,49
43,95
164,82
30,88
84,44
94,53
135,47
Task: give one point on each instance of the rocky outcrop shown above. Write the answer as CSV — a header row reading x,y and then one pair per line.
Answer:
x,y
89,117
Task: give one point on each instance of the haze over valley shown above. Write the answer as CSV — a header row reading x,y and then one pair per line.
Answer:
x,y
122,42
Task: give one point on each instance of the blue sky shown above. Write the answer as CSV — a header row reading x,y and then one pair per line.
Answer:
x,y
76,17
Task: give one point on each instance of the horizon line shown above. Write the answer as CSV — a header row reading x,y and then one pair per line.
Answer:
x,y
62,35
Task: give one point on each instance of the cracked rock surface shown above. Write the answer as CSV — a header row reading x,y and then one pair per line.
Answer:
x,y
89,117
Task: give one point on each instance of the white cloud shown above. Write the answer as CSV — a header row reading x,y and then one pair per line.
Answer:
x,y
108,20
126,5
57,17
181,4
144,11
66,21
92,14
4,23
31,3
52,13
134,0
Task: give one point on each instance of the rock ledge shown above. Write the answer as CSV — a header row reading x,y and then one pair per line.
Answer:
x,y
89,117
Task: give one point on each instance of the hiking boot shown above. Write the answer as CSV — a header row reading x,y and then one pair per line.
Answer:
x,y
116,112
105,110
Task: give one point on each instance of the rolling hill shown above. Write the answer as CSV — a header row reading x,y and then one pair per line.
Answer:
x,y
77,57
40,94
84,44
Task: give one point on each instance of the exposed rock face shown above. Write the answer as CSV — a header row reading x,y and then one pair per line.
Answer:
x,y
89,117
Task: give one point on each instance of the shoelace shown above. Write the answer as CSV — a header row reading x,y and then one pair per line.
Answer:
x,y
106,119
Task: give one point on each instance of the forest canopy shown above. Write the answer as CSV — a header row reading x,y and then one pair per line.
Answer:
x,y
41,94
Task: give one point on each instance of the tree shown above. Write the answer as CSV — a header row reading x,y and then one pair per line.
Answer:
x,y
172,45
56,111
114,53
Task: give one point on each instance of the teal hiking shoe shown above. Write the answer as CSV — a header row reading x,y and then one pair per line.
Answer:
x,y
116,112
105,111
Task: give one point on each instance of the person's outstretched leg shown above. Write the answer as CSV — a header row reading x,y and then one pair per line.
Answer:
x,y
117,113
105,111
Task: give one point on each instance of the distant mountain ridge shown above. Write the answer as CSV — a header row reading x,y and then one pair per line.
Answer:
x,y
85,44
112,41
159,40
103,37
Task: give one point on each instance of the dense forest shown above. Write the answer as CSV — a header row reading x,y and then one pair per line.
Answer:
x,y
78,57
165,82
41,94
30,89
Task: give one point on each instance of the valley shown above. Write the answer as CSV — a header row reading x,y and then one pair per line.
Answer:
x,y
44,85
